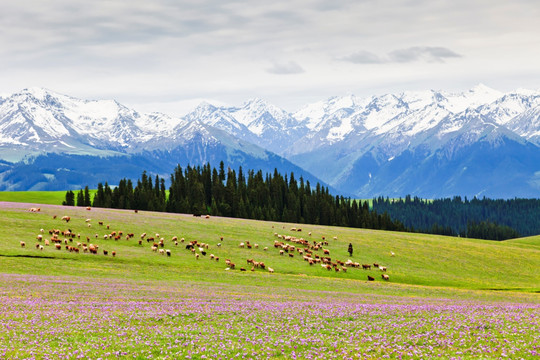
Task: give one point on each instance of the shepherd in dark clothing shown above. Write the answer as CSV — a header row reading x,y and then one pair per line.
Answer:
x,y
350,249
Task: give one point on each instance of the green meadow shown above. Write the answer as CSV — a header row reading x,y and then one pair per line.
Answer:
x,y
413,261
36,197
444,298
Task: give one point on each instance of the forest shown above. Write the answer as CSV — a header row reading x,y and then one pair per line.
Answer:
x,y
495,219
227,192
276,197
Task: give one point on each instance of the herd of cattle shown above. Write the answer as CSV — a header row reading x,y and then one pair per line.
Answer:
x,y
312,251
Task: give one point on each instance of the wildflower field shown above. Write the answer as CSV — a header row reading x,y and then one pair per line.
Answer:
x,y
446,298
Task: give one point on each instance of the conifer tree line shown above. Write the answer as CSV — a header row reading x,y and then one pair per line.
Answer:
x,y
83,198
276,197
493,219
227,192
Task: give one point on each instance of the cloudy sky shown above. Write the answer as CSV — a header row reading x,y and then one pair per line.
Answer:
x,y
167,55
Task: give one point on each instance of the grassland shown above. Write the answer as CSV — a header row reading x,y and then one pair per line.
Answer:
x,y
36,197
451,297
425,260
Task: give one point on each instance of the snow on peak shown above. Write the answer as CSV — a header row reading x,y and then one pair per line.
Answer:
x,y
417,100
204,108
214,116
342,102
259,106
335,119
314,115
256,102
257,115
206,105
526,92
477,96
482,94
37,92
481,88
42,114
202,111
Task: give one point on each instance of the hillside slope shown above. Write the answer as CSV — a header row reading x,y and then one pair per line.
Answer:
x,y
418,259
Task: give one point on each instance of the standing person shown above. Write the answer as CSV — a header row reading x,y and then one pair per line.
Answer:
x,y
350,249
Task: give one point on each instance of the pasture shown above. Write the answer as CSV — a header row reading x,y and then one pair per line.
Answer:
x,y
444,297
39,197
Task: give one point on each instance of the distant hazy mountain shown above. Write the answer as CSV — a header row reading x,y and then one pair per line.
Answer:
x,y
430,143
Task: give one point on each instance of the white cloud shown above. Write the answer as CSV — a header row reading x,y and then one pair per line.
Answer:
x,y
425,53
152,51
415,53
285,68
363,57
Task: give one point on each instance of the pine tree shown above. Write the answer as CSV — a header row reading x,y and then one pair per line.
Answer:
x,y
87,201
80,198
99,198
70,198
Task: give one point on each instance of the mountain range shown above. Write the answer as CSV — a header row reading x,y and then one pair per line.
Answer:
x,y
480,142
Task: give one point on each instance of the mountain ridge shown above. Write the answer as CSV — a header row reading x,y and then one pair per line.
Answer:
x,y
334,139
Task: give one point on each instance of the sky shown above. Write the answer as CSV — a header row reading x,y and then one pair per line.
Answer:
x,y
169,55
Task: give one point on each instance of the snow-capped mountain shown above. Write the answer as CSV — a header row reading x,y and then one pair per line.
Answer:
x,y
53,141
273,127
427,143
405,115
35,120
527,124
256,121
368,144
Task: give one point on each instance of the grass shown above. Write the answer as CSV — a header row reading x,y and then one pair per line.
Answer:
x,y
34,197
420,260
37,197
446,297
108,318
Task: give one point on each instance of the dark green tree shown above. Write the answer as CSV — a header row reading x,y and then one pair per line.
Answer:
x,y
70,198
80,198
87,201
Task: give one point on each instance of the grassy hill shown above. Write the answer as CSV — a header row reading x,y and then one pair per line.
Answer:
x,y
427,260
445,298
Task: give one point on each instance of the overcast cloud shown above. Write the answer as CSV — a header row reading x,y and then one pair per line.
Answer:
x,y
286,68
165,54
415,53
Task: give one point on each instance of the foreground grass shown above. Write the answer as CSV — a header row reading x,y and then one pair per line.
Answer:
x,y
97,318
